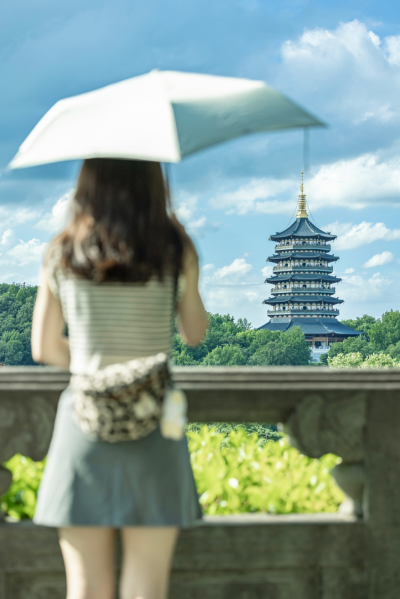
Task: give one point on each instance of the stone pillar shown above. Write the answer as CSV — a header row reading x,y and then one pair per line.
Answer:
x,y
382,497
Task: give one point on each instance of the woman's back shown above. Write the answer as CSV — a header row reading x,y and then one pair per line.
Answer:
x,y
115,322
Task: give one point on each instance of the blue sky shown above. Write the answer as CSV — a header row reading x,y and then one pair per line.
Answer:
x,y
340,60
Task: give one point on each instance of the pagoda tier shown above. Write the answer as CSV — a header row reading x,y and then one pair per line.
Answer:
x,y
302,283
303,230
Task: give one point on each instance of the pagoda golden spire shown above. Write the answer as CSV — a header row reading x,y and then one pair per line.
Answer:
x,y
302,212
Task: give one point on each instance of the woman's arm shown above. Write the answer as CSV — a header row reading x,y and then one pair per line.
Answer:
x,y
192,316
49,345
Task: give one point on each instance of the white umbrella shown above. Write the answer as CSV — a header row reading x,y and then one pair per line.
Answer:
x,y
162,116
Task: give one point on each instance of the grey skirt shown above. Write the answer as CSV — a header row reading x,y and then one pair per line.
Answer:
x,y
93,483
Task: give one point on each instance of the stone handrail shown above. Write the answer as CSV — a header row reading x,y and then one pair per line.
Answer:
x,y
353,554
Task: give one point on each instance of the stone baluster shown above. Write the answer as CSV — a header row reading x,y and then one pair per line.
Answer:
x,y
321,425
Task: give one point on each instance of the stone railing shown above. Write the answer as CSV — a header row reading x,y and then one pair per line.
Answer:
x,y
350,555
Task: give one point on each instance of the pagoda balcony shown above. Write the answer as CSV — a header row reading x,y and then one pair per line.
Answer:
x,y
303,312
303,269
305,246
307,290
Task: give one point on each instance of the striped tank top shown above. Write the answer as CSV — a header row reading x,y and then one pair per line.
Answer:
x,y
109,323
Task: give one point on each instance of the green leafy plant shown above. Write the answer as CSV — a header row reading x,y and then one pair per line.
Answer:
x,y
19,501
240,474
356,360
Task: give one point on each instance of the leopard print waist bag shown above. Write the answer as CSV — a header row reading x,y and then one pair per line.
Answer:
x,y
125,402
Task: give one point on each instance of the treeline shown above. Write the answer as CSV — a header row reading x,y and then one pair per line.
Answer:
x,y
381,336
227,342
230,343
16,308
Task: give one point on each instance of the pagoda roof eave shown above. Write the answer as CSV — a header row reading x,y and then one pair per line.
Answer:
x,y
312,326
298,256
302,227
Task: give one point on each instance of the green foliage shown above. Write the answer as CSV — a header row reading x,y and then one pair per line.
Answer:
x,y
361,323
236,470
265,432
382,336
228,355
242,475
230,343
289,349
16,308
20,499
356,360
394,351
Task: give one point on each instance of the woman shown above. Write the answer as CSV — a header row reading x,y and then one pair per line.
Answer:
x,y
113,276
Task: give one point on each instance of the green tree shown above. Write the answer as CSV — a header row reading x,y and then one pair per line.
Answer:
x,y
289,349
381,336
228,355
394,351
16,309
352,345
361,323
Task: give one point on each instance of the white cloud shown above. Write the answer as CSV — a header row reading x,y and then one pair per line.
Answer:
x,y
207,267
186,209
356,182
351,70
267,270
7,238
234,272
353,236
233,288
195,224
353,184
26,252
379,260
11,217
375,39
360,290
392,46
349,270
22,261
252,197
57,219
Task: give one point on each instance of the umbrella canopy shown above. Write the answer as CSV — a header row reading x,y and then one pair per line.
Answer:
x,y
162,116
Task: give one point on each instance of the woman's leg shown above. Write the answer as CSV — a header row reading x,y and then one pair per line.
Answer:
x,y
88,554
147,555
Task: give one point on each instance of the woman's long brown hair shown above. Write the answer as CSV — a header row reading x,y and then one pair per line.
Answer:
x,y
121,230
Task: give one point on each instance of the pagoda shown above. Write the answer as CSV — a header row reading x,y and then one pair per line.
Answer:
x,y
304,284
